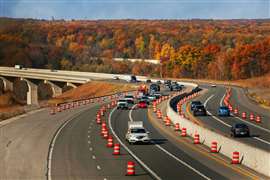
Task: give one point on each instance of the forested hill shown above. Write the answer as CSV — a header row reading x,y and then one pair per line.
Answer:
x,y
216,49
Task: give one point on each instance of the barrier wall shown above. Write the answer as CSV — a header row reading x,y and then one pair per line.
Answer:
x,y
250,156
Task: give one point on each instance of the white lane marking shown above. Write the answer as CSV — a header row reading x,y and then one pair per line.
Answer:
x,y
173,156
222,99
93,157
228,125
208,99
182,162
52,148
89,142
129,151
90,149
88,136
264,141
259,127
98,167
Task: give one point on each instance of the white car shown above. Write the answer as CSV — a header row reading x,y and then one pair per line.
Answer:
x,y
152,97
115,77
136,133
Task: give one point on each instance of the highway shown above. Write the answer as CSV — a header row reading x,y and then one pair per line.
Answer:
x,y
260,133
79,152
165,156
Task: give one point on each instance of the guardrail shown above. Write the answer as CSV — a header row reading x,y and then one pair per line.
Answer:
x,y
251,157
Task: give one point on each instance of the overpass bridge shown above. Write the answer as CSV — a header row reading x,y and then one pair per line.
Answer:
x,y
54,78
32,77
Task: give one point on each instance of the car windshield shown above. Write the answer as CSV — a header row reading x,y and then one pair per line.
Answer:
x,y
129,96
200,107
195,102
224,108
137,130
122,101
142,102
241,126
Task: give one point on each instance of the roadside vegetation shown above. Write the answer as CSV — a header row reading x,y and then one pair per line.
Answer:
x,y
205,49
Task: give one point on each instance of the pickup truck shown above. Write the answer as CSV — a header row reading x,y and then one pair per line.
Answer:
x,y
136,133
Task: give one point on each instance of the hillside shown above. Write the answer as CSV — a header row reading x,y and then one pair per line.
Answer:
x,y
211,49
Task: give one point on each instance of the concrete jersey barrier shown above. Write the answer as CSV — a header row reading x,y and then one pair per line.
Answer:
x,y
252,157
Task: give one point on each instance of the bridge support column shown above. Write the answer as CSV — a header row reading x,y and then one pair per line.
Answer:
x,y
32,94
71,85
57,91
8,85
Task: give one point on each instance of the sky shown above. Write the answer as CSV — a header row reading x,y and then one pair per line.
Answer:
x,y
135,9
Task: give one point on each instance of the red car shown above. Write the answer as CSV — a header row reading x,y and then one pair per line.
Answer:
x,y
142,104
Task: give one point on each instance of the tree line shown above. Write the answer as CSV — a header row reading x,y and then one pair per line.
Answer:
x,y
216,49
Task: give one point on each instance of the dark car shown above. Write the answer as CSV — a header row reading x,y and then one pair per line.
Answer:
x,y
176,87
154,87
148,81
194,103
223,111
240,129
158,82
133,79
199,110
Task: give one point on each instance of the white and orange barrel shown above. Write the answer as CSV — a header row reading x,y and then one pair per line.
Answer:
x,y
251,117
110,141
184,132
214,147
244,115
235,111
177,127
235,157
196,138
258,119
116,149
130,168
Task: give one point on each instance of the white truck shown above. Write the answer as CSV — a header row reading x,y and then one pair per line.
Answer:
x,y
136,133
18,66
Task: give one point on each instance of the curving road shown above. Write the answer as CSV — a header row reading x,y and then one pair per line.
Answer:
x,y
260,133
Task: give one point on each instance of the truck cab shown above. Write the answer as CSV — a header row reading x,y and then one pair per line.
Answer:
x,y
136,133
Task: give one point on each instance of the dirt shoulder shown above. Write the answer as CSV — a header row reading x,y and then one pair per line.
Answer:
x,y
9,108
92,89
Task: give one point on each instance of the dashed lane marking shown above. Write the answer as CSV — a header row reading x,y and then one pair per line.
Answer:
x,y
173,156
129,151
228,125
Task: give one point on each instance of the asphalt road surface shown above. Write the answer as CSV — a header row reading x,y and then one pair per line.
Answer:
x,y
260,133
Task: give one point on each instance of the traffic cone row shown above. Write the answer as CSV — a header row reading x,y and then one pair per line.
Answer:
x,y
75,104
235,110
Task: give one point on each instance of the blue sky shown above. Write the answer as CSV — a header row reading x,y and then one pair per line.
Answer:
x,y
135,9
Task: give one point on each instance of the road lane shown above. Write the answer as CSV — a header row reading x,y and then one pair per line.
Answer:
x,y
154,157
260,138
81,153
